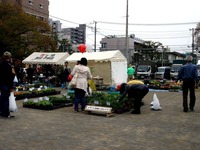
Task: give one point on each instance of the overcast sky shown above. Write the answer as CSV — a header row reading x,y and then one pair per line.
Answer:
x,y
142,14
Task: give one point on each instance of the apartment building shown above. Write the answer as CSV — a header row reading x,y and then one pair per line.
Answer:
x,y
37,8
77,35
55,25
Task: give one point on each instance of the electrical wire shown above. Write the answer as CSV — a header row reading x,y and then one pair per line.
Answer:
x,y
135,24
169,37
146,31
147,24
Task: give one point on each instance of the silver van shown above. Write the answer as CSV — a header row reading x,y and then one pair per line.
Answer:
x,y
163,72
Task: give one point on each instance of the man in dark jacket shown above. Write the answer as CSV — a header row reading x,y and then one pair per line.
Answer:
x,y
6,84
30,72
188,74
19,72
136,92
65,75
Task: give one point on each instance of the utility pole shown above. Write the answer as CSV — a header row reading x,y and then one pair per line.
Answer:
x,y
162,54
95,36
126,41
192,40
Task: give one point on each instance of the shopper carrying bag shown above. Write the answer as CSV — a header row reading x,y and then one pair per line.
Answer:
x,y
73,80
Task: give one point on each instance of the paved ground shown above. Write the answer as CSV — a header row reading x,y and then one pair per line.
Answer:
x,y
63,129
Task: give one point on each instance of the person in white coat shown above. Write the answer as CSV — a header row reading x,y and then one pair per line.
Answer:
x,y
83,74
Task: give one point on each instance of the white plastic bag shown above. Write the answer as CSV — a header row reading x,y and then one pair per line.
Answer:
x,y
15,79
155,103
12,103
72,83
90,91
74,80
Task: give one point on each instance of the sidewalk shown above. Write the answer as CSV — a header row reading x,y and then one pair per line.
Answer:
x,y
64,129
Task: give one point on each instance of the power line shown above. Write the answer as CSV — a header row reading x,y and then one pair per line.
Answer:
x,y
139,24
146,31
158,24
119,23
177,45
65,20
169,37
147,24
152,37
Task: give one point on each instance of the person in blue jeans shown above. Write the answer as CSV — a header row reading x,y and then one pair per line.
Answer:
x,y
6,84
83,74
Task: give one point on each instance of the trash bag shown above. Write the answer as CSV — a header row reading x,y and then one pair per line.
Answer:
x,y
12,103
155,104
15,79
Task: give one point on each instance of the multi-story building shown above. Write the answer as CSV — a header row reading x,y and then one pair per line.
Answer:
x,y
55,25
77,35
118,43
137,50
37,8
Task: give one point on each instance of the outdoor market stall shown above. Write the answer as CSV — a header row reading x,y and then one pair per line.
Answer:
x,y
51,62
55,58
111,66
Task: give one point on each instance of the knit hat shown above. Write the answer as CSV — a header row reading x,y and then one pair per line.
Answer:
x,y
7,55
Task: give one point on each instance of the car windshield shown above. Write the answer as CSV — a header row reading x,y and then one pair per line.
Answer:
x,y
161,70
142,68
176,68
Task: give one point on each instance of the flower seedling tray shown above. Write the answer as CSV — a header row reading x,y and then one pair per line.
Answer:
x,y
48,107
174,90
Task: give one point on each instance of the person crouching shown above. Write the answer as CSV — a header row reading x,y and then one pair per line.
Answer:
x,y
136,93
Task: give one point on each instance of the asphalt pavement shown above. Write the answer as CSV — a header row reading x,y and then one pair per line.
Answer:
x,y
64,129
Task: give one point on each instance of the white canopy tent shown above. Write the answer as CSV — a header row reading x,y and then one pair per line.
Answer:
x,y
55,58
110,65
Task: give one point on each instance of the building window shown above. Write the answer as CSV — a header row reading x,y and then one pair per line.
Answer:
x,y
41,6
104,45
41,18
30,2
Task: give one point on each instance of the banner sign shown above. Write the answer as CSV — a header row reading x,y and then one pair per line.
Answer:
x,y
44,56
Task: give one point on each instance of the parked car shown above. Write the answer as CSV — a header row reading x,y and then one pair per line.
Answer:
x,y
198,68
163,72
146,69
174,70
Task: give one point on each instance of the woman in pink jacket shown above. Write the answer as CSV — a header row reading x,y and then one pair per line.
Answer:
x,y
83,74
